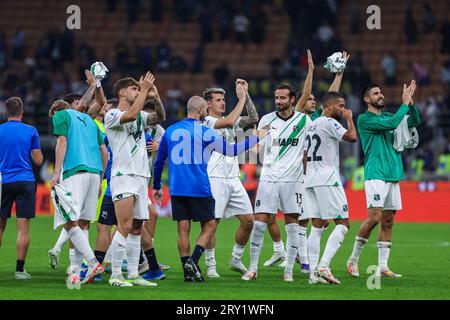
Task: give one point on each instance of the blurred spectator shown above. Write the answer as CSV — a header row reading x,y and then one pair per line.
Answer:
x,y
389,65
122,52
184,10
224,23
133,9
420,74
18,45
3,51
445,31
429,20
410,27
111,5
174,102
221,74
163,56
325,32
432,113
197,66
355,16
241,26
67,45
206,26
445,73
257,24
178,64
156,10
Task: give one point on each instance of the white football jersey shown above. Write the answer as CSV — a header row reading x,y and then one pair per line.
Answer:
x,y
283,147
322,144
127,143
219,165
156,133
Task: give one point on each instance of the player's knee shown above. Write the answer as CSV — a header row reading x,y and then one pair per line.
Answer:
x,y
387,224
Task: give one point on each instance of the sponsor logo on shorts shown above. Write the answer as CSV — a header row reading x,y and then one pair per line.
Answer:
x,y
119,196
104,214
376,197
258,203
345,208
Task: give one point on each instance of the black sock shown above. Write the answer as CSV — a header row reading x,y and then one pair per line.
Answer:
x,y
152,261
100,255
19,265
141,257
183,262
196,255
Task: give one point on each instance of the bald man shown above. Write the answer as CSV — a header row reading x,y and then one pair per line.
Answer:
x,y
188,144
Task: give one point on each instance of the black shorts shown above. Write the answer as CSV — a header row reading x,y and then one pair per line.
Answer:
x,y
23,193
191,208
107,213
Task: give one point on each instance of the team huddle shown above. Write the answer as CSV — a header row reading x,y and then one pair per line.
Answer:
x,y
105,150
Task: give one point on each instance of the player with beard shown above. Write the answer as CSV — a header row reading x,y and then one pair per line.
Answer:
x,y
324,197
307,104
280,186
383,169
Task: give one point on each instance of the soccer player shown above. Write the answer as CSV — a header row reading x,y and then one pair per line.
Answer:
x,y
125,129
280,184
81,103
231,198
19,147
383,169
189,145
80,162
308,105
324,197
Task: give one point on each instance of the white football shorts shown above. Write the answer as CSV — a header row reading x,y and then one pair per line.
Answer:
x,y
132,186
383,194
326,202
285,196
84,187
231,198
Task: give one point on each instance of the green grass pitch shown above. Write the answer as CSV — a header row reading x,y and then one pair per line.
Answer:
x,y
420,252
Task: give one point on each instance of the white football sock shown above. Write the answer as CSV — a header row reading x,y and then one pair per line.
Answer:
x,y
291,245
256,243
118,245
314,247
108,255
133,250
278,246
81,244
238,251
333,244
357,248
72,256
303,245
384,248
62,239
210,257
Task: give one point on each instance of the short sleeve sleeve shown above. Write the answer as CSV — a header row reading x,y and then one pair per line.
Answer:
x,y
210,122
159,132
335,129
112,119
35,143
101,137
61,123
262,124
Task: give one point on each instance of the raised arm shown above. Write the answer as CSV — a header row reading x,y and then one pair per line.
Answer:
x,y
253,117
414,116
231,119
146,83
222,146
387,124
350,135
336,85
307,86
160,114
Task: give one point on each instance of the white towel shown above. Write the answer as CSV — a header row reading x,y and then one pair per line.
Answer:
x,y
405,137
65,206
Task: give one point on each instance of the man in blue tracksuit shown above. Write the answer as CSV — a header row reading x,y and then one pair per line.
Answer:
x,y
188,145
